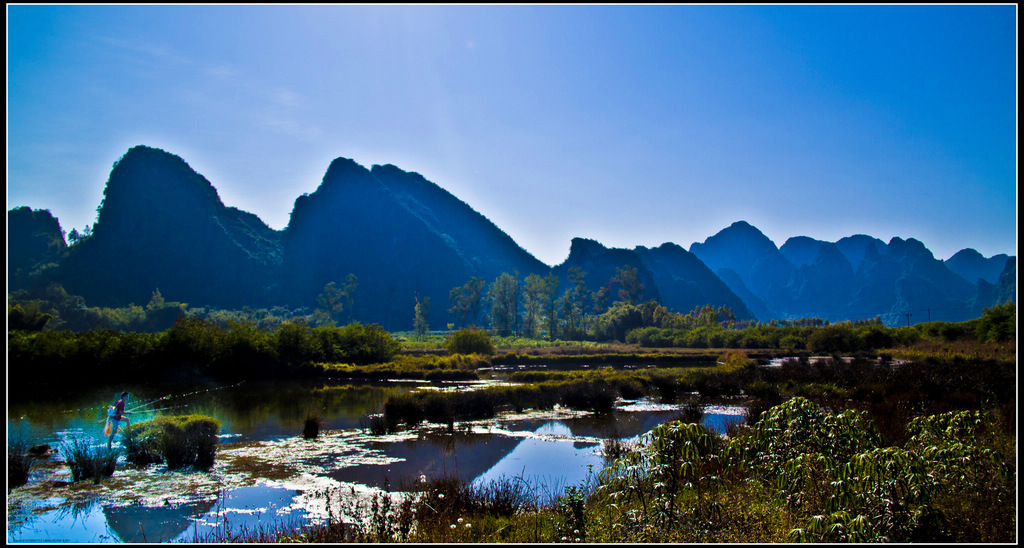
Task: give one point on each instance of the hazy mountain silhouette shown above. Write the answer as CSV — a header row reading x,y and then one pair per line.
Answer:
x,y
973,266
163,226
801,250
746,251
857,277
686,283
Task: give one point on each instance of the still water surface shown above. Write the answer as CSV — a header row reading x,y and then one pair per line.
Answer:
x,y
266,474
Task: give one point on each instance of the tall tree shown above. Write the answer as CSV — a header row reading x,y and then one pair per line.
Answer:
x,y
534,293
573,303
420,319
504,298
466,301
630,288
549,304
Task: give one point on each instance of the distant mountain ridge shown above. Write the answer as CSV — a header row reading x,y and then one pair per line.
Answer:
x,y
162,225
856,277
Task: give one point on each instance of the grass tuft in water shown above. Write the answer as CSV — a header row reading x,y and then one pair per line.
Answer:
x,y
19,461
88,462
312,425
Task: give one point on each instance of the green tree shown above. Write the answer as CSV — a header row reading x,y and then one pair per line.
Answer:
x,y
572,304
601,299
504,298
630,288
998,323
470,341
833,339
335,300
549,304
534,291
28,318
420,324
466,301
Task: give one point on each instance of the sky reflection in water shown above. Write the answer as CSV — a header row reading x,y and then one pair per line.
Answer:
x,y
548,454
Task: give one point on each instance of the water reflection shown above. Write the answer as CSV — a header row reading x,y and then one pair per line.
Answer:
x,y
549,451
138,523
553,457
73,523
461,454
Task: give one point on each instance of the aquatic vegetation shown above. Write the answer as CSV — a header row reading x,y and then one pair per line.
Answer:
x,y
183,440
88,462
312,425
19,461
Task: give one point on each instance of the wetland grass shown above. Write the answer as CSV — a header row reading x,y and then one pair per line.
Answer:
x,y
88,462
182,440
19,462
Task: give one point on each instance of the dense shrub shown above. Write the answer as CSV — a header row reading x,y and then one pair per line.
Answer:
x,y
998,323
470,341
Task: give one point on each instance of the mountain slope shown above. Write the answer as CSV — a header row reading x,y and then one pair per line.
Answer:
x,y
162,226
686,283
402,236
973,266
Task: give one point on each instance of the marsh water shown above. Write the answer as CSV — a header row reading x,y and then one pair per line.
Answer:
x,y
267,474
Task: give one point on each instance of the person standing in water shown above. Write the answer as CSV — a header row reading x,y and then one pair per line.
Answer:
x,y
116,415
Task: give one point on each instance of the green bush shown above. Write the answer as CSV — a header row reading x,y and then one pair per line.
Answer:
x,y
186,440
470,341
998,323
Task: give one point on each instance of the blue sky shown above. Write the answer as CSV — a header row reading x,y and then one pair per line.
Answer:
x,y
629,125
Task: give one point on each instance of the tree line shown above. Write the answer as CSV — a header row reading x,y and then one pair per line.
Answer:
x,y
192,348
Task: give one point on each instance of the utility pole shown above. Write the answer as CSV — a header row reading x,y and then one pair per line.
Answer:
x,y
908,318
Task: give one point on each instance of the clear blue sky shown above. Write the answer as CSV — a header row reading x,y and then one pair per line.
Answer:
x,y
630,125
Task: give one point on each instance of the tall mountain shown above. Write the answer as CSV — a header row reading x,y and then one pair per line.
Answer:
x,y
480,241
162,226
753,257
35,244
801,250
973,266
402,236
821,287
856,247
